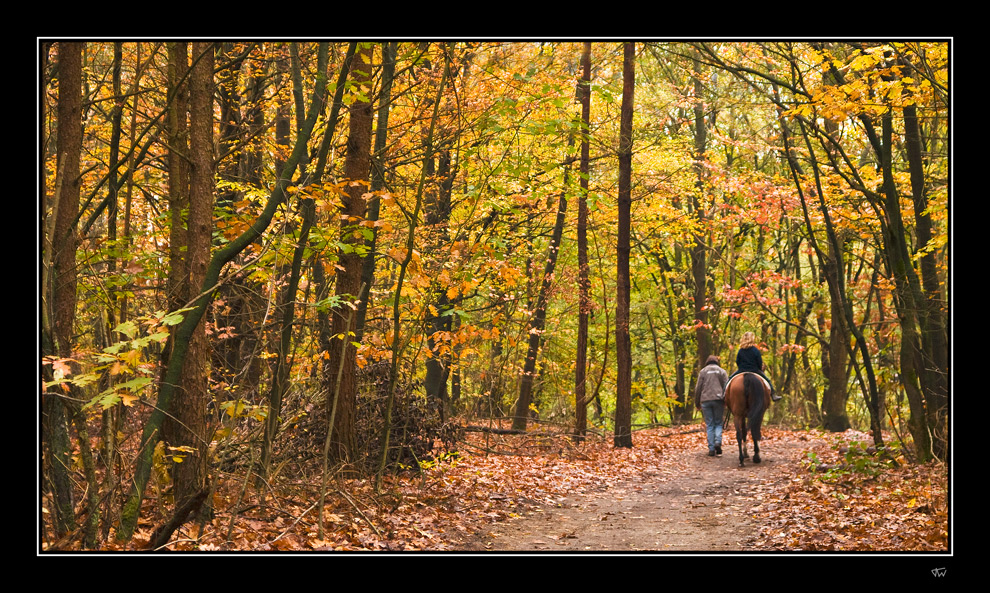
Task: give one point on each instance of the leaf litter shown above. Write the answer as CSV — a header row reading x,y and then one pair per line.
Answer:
x,y
543,492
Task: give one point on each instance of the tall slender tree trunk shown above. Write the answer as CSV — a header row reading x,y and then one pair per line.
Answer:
x,y
114,418
928,424
437,209
79,418
835,362
584,283
931,310
357,168
893,234
835,351
245,307
623,345
698,251
60,288
437,215
190,431
176,287
285,308
537,323
377,180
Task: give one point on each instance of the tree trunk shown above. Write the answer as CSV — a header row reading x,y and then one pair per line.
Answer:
x,y
240,145
538,321
357,168
189,430
929,430
377,181
438,319
699,259
62,277
176,287
623,345
114,418
934,336
437,209
244,299
584,283
836,394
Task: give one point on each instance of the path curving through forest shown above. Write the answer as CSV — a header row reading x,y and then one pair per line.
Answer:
x,y
693,504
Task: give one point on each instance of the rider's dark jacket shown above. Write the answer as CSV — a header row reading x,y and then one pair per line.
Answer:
x,y
749,359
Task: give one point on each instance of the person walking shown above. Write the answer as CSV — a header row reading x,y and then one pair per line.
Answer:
x,y
709,397
749,360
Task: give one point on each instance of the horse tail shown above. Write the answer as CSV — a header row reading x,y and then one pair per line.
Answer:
x,y
753,393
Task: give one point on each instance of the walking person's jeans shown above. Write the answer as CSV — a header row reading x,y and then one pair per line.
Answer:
x,y
712,412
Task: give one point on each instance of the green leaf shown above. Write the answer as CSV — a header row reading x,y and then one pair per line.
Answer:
x,y
85,379
114,348
175,317
128,328
109,400
134,385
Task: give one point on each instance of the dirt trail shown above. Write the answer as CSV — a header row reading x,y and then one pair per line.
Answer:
x,y
703,506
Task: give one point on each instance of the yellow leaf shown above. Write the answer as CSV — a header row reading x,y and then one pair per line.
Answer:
x,y
131,357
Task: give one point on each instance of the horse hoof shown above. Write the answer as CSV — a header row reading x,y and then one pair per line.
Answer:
x,y
756,460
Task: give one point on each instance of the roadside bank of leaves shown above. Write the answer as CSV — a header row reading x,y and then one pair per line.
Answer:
x,y
849,498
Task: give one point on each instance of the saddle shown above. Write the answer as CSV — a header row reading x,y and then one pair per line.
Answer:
x,y
739,376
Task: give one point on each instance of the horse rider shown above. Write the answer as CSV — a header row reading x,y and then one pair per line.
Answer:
x,y
749,360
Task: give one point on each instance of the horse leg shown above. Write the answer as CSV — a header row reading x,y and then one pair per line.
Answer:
x,y
741,441
757,437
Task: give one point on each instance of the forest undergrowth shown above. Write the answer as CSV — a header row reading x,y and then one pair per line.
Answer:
x,y
841,496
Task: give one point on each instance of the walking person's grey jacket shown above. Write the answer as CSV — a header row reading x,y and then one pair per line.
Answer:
x,y
711,384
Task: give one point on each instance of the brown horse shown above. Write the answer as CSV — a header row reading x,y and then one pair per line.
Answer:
x,y
747,397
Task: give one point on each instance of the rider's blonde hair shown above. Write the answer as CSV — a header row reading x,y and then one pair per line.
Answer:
x,y
748,339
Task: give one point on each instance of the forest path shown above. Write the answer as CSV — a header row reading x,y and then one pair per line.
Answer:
x,y
690,503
